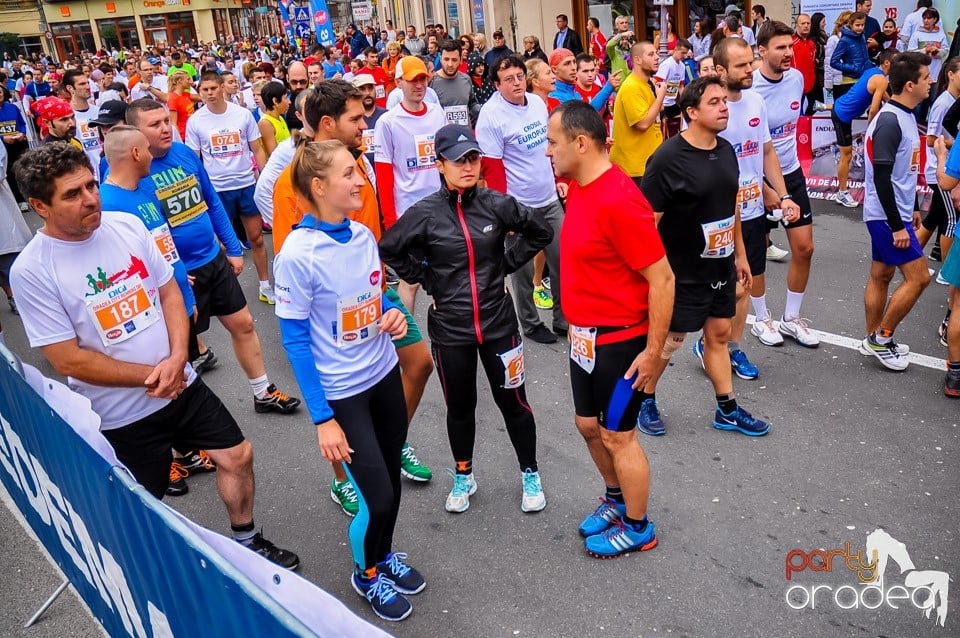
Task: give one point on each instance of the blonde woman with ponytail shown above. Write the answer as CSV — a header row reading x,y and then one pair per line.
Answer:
x,y
336,328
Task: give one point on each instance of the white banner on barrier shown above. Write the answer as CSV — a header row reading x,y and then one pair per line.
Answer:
x,y
316,609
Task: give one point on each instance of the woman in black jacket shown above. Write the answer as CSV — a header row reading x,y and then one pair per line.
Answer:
x,y
452,244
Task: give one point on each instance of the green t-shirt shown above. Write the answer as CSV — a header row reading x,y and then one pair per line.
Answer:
x,y
185,67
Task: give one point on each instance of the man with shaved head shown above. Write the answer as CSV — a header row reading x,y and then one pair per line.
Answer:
x,y
297,79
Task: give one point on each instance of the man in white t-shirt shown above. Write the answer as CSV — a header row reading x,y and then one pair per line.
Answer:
x,y
405,160
512,131
781,87
101,303
78,86
227,139
151,85
672,72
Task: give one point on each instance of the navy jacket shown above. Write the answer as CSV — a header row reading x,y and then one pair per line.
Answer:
x,y
851,57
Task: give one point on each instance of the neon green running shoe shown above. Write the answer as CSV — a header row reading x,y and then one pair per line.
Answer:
x,y
542,298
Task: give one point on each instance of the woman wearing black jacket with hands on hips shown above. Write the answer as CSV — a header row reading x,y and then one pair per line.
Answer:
x,y
452,244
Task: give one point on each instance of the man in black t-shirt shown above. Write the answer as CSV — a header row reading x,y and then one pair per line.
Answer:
x,y
691,183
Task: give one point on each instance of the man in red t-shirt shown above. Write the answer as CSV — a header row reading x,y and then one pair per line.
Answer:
x,y
805,59
615,270
586,83
372,67
598,43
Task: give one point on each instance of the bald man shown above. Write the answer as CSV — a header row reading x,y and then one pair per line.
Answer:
x,y
297,80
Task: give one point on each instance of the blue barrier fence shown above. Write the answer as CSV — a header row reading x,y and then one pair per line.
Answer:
x,y
122,550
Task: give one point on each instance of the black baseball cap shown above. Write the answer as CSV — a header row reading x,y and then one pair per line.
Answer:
x,y
453,141
111,112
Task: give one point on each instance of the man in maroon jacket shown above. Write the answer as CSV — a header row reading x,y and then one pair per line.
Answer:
x,y
805,60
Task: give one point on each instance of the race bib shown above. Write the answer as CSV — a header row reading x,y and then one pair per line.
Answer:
x,y
673,89
426,154
182,201
225,144
368,140
89,138
164,240
457,115
513,367
583,347
358,318
748,194
122,310
718,238
8,128
915,160
380,92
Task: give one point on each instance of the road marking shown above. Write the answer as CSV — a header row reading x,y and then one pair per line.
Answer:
x,y
934,363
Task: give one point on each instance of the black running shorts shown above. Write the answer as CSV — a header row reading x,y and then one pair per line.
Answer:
x,y
695,302
796,185
196,420
755,243
603,393
217,290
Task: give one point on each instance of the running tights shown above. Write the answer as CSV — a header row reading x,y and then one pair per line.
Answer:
x,y
457,368
375,424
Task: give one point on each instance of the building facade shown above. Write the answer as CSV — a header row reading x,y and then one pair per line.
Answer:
x,y
75,25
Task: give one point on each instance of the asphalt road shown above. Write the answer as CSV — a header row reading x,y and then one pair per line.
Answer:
x,y
852,448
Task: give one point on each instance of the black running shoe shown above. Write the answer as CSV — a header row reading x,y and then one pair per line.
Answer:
x,y
541,334
206,361
282,557
178,484
196,462
951,384
275,401
935,254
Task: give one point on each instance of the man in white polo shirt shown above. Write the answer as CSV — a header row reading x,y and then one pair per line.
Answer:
x,y
405,160
227,139
512,131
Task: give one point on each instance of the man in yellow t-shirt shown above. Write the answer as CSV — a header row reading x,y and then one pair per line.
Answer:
x,y
636,113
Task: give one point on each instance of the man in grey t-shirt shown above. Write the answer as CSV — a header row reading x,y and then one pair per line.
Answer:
x,y
453,88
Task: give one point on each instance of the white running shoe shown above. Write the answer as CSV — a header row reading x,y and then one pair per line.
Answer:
x,y
799,329
267,296
941,280
901,348
533,498
464,486
775,253
844,198
766,332
889,357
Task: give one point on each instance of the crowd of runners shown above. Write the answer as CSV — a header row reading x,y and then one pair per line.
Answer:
x,y
631,199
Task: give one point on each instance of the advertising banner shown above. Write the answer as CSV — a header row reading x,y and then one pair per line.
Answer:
x,y
118,545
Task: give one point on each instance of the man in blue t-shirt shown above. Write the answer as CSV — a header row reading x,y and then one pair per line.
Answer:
x,y
198,224
948,178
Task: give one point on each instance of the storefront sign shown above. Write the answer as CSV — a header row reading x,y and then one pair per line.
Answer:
x,y
158,4
361,10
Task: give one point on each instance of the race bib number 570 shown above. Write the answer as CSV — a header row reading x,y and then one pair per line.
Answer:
x,y
182,201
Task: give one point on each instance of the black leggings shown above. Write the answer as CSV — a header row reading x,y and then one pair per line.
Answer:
x,y
375,424
457,368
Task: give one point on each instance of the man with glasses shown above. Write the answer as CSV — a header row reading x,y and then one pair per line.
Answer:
x,y
151,85
297,80
512,131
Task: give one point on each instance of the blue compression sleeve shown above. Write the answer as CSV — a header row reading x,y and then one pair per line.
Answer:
x,y
295,334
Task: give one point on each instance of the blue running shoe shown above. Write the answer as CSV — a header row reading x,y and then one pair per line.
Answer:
x,y
382,596
246,245
742,366
621,539
698,351
603,517
406,579
648,421
741,421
